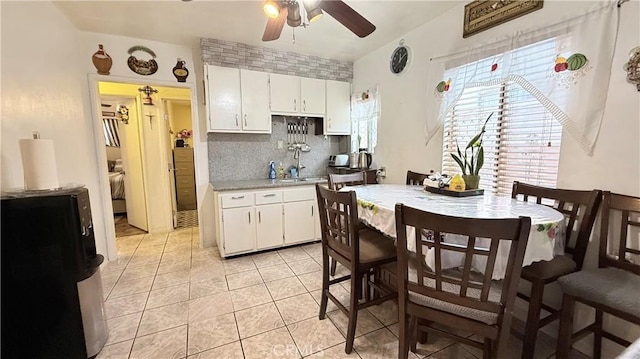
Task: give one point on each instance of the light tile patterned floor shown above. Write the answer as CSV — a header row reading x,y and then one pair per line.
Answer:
x,y
167,298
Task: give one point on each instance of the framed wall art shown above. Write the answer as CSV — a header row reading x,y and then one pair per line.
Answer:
x,y
480,15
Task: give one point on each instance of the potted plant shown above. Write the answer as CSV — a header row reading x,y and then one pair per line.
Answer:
x,y
470,164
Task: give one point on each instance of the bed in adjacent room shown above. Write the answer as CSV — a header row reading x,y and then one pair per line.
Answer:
x,y
116,181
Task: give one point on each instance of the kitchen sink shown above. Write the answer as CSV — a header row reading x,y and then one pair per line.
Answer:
x,y
303,179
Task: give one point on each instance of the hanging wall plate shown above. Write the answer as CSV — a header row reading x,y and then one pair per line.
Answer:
x,y
142,67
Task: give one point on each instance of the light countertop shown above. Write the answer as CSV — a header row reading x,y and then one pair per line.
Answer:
x,y
265,183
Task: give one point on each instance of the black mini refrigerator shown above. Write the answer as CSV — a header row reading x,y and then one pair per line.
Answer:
x,y
51,299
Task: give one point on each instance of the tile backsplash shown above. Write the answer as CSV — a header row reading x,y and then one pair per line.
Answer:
x,y
238,55
246,156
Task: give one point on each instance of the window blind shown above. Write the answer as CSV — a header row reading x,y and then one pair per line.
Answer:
x,y
111,133
522,139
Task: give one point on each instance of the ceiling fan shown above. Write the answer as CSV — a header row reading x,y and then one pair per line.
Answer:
x,y
279,11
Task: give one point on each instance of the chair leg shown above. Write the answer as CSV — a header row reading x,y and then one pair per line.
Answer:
x,y
334,264
325,287
423,336
487,350
405,337
566,327
533,320
413,334
356,287
597,336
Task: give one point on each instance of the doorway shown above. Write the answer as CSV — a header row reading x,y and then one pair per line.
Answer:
x,y
180,146
147,142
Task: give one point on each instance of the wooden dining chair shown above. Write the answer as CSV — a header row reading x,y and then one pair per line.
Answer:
x,y
360,250
614,287
457,298
580,209
336,182
415,178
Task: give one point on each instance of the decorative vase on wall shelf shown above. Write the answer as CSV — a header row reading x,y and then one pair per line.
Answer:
x,y
180,71
102,61
471,181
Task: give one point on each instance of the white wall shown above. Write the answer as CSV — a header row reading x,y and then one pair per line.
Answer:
x,y
615,164
44,89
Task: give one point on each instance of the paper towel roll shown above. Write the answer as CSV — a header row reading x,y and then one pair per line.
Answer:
x,y
39,164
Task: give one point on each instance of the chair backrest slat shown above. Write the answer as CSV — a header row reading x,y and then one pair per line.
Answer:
x,y
415,178
579,207
628,207
338,221
466,288
337,181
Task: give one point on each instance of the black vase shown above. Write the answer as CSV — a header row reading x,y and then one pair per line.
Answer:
x,y
180,71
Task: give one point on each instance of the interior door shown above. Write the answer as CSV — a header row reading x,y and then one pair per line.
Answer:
x,y
170,166
133,173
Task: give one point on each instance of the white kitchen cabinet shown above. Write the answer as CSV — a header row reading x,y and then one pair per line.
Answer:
x,y
299,222
297,95
318,228
285,93
312,95
239,230
237,100
269,230
256,116
251,220
224,104
338,118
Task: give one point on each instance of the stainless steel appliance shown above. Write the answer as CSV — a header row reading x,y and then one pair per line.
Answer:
x,y
353,160
338,160
52,301
364,158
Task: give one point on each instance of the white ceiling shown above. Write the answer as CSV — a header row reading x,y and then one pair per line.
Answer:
x,y
243,21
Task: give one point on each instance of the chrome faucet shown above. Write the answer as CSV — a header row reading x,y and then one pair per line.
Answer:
x,y
296,156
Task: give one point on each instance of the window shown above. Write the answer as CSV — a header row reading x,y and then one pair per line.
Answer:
x,y
364,121
111,133
522,139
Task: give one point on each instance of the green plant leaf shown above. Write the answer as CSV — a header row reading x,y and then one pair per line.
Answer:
x,y
459,162
474,140
480,160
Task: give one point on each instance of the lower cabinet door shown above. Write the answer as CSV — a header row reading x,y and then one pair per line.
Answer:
x,y
299,221
239,229
269,226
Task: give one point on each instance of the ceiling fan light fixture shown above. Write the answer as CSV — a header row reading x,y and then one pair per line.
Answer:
x,y
271,8
293,17
314,13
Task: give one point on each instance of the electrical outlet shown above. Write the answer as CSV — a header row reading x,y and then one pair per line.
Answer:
x,y
280,145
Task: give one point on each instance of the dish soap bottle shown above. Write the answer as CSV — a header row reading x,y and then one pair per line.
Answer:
x,y
457,183
272,170
280,171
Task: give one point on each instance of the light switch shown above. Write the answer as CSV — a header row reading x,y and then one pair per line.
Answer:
x,y
280,145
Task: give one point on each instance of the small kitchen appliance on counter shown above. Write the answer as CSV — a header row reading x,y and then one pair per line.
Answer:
x,y
338,160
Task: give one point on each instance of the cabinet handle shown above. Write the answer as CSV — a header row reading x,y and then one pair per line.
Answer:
x,y
269,195
245,119
237,197
311,211
304,105
259,217
249,213
236,119
294,105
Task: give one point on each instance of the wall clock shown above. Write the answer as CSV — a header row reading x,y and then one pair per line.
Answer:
x,y
399,58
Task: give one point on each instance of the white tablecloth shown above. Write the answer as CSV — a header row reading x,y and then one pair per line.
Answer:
x,y
376,206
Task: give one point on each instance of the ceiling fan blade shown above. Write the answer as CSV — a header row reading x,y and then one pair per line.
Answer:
x,y
274,26
348,17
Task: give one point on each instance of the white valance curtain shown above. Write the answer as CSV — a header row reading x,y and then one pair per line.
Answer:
x,y
365,109
578,72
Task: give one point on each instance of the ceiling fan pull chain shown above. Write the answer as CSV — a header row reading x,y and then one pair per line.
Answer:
x,y
294,35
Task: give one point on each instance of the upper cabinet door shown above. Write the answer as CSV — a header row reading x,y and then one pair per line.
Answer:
x,y
338,119
224,101
312,94
256,116
285,93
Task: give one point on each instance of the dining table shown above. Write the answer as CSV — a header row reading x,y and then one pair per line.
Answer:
x,y
376,208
